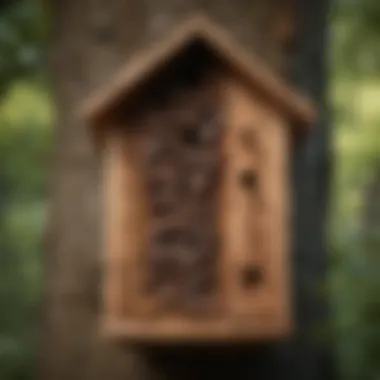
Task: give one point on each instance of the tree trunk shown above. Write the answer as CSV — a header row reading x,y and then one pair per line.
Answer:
x,y
90,39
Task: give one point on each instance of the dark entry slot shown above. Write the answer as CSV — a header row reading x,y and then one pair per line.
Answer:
x,y
251,276
248,179
190,136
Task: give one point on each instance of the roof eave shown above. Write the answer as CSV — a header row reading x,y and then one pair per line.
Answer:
x,y
297,107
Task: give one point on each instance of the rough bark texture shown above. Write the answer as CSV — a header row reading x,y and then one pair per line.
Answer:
x,y
90,39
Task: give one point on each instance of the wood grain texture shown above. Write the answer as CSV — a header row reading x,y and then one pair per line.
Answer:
x,y
255,219
114,214
242,213
175,330
124,222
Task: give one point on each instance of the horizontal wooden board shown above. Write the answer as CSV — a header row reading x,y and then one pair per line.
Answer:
x,y
180,331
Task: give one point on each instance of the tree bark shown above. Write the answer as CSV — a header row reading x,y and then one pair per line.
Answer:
x,y
90,40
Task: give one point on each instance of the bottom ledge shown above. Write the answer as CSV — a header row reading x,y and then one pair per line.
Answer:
x,y
195,332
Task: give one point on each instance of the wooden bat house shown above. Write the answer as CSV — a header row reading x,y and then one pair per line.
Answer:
x,y
196,137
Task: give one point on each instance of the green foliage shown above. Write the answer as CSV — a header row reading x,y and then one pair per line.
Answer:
x,y
356,30
22,32
23,147
24,143
356,125
354,279
354,285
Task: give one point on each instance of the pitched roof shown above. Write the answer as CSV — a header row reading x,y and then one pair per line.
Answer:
x,y
194,28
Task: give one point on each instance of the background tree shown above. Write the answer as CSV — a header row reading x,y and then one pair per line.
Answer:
x,y
89,41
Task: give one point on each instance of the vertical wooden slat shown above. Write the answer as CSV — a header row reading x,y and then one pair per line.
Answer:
x,y
254,220
125,225
278,219
113,218
134,226
239,203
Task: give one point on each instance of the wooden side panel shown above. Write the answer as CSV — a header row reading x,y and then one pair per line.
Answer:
x,y
113,217
277,221
254,218
237,207
135,226
125,226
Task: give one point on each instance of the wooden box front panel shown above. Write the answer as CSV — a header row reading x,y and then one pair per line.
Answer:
x,y
196,218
